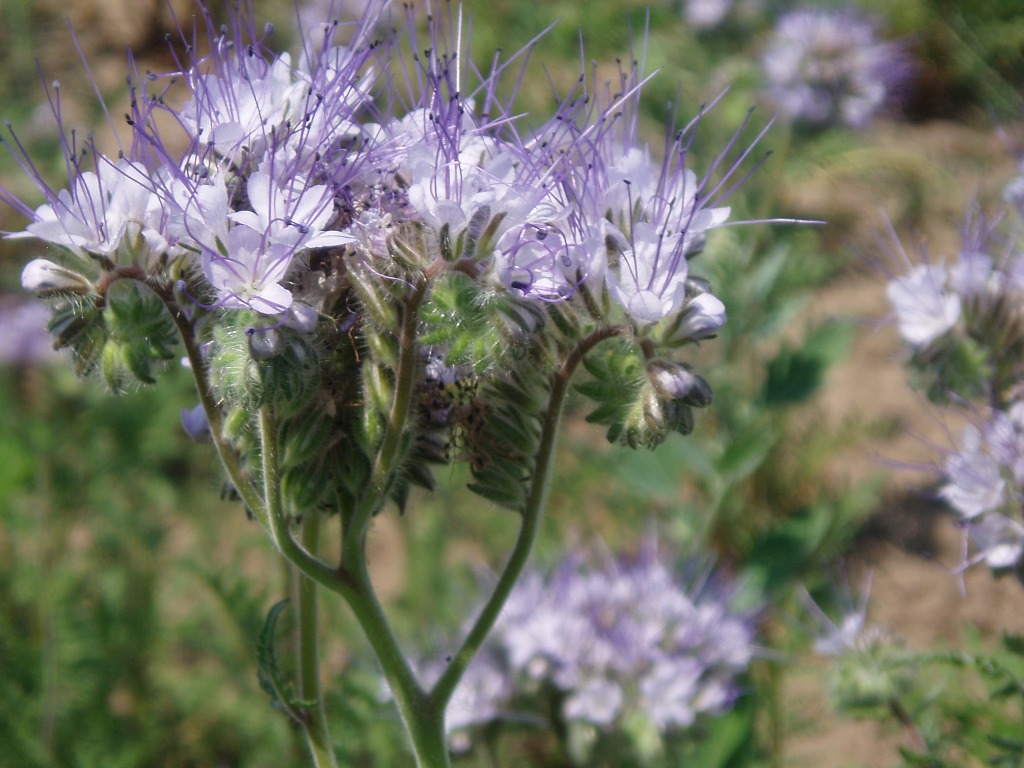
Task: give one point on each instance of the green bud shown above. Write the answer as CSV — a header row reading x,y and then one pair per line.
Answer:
x,y
138,320
304,485
79,326
383,347
872,674
302,436
292,375
234,374
237,424
378,391
113,367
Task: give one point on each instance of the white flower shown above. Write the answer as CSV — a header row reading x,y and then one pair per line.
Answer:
x,y
249,274
975,485
43,277
925,309
292,214
1000,540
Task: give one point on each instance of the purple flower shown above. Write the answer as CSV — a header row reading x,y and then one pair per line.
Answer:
x,y
23,336
985,486
825,66
619,639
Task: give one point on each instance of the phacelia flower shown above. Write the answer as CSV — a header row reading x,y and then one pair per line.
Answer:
x,y
871,665
828,66
984,484
962,319
926,306
618,638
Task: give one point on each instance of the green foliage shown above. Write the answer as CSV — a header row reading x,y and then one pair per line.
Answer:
x,y
272,680
617,378
796,372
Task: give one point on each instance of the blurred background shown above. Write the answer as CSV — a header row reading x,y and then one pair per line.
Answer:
x,y
132,594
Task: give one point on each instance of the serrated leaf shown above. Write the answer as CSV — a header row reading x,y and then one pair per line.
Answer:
x,y
271,680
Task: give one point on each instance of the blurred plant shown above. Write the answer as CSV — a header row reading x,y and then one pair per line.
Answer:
x,y
825,67
622,661
372,268
953,707
964,330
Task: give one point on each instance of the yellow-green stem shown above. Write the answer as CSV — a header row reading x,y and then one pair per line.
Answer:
x,y
315,724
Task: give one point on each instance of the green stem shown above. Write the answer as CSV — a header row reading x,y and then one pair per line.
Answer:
x,y
228,457
315,723
909,727
309,565
533,513
423,719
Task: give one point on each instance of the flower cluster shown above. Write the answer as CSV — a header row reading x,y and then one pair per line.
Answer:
x,y
620,645
985,486
963,325
871,665
828,66
962,321
290,213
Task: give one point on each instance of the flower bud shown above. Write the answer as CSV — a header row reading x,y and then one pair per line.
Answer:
x,y
676,382
264,343
45,279
195,423
702,317
873,673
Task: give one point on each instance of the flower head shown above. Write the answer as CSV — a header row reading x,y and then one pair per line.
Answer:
x,y
622,638
826,66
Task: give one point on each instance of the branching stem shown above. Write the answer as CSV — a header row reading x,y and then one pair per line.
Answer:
x,y
532,516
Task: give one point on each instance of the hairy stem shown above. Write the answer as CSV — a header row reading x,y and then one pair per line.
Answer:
x,y
423,719
532,516
280,534
227,454
315,723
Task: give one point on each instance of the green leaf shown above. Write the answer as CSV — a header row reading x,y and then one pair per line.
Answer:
x,y
730,739
796,373
281,693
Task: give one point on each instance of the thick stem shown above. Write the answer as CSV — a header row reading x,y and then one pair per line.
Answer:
x,y
532,515
423,719
315,724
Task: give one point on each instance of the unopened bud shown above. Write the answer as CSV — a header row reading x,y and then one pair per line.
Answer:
x,y
45,279
264,343
703,317
676,382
